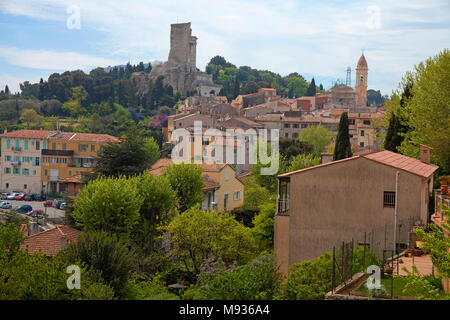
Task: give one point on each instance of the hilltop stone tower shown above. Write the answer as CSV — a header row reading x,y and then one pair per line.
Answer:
x,y
362,72
183,46
180,70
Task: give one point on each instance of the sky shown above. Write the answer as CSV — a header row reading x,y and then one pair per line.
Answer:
x,y
317,39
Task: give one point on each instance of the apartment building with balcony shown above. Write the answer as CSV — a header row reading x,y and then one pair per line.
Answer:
x,y
69,154
21,160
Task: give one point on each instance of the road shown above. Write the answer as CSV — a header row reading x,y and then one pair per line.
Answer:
x,y
52,213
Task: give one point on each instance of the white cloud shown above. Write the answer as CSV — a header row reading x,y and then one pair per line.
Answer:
x,y
286,36
52,60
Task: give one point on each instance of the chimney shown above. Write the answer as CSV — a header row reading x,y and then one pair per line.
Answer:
x,y
63,242
326,157
425,153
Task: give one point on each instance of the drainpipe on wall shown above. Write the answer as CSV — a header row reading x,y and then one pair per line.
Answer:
x,y
396,211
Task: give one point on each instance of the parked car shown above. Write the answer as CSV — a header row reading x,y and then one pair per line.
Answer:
x,y
28,197
20,196
3,196
37,197
23,208
48,203
36,213
62,206
12,196
5,205
57,203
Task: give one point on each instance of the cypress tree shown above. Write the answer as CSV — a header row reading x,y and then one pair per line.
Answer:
x,y
342,148
311,92
7,90
237,87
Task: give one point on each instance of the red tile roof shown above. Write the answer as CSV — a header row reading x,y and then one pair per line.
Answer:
x,y
209,183
73,179
388,158
52,134
50,242
30,134
402,162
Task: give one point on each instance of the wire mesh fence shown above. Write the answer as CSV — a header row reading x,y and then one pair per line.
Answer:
x,y
373,247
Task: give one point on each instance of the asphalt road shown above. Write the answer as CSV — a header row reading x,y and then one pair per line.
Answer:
x,y
38,205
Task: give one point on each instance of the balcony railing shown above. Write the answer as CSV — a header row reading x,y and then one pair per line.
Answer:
x,y
15,163
16,149
61,153
283,207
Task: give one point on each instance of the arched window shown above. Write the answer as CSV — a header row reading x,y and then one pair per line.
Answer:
x,y
361,79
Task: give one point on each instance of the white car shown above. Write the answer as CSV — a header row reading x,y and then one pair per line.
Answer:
x,y
5,205
12,196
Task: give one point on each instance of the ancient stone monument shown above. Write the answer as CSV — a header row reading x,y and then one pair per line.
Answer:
x,y
180,71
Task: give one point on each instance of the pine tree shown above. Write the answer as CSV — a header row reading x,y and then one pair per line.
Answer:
x,y
342,148
7,90
321,87
311,92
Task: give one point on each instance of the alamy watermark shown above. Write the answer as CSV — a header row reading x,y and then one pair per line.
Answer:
x,y
74,280
74,19
234,146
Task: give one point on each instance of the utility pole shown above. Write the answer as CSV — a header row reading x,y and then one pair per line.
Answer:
x,y
396,211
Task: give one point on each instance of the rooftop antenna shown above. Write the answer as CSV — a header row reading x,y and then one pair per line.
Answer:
x,y
348,80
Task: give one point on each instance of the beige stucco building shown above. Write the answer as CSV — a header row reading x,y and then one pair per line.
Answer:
x,y
21,160
322,206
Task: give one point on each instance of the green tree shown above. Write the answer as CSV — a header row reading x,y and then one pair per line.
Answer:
x,y
311,92
187,181
342,148
264,224
30,117
397,119
159,201
74,106
257,280
109,204
108,260
254,195
303,161
428,110
197,235
318,137
134,155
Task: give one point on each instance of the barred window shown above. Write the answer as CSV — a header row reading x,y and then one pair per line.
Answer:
x,y
389,199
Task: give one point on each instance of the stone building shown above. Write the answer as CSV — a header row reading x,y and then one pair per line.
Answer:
x,y
180,70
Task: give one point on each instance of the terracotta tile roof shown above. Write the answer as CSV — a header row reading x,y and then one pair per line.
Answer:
x,y
388,158
73,179
249,122
52,135
50,242
402,162
213,167
90,137
209,183
30,134
160,166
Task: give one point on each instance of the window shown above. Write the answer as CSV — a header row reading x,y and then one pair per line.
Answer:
x,y
82,147
351,121
303,125
295,125
26,145
286,135
283,197
53,146
8,144
17,145
34,172
16,171
366,122
45,172
362,133
237,195
8,170
191,139
361,144
389,199
38,145
227,175
45,144
7,185
64,146
37,161
92,147
361,79
70,173
287,125
7,158
24,186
